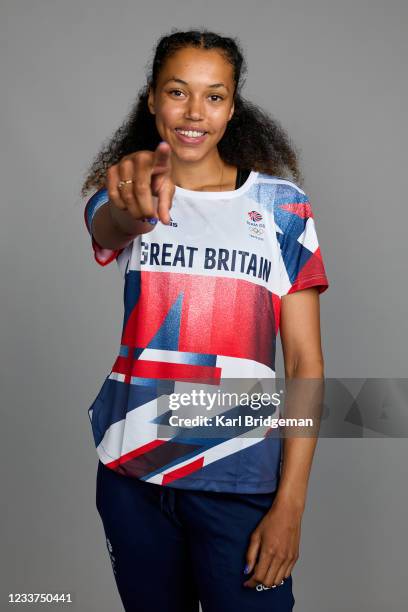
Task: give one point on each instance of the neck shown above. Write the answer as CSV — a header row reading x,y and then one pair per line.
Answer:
x,y
210,172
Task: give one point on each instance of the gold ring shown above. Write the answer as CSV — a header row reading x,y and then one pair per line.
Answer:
x,y
122,183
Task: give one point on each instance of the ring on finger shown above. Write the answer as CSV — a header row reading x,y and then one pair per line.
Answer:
x,y
123,183
276,585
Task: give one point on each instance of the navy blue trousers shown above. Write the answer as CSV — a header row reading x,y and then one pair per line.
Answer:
x,y
173,548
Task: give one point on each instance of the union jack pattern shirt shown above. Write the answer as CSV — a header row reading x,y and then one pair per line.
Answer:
x,y
202,301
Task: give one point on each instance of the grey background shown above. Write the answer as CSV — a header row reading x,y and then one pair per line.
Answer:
x,y
331,72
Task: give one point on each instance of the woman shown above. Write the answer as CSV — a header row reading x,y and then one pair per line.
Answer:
x,y
198,200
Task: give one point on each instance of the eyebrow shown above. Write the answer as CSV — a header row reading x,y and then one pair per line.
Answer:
x,y
214,85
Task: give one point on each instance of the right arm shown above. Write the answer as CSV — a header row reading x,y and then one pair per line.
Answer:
x,y
115,229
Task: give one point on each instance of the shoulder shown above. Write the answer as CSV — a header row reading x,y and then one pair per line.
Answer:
x,y
287,203
276,193
97,196
93,203
279,184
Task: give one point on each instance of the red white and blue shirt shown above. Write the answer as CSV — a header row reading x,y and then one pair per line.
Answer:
x,y
202,301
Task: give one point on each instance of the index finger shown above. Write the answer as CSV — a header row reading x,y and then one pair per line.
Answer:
x,y
162,158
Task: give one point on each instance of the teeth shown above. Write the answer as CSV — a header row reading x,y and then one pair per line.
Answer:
x,y
190,134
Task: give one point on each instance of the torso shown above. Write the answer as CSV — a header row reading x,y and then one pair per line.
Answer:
x,y
202,303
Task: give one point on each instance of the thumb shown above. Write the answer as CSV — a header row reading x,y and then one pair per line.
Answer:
x,y
252,553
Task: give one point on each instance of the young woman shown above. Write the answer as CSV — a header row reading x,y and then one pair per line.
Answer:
x,y
198,200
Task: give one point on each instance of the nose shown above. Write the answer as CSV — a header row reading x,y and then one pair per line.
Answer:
x,y
194,109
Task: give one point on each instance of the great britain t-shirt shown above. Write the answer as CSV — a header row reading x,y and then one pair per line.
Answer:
x,y
202,301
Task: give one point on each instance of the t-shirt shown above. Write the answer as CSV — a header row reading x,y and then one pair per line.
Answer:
x,y
202,302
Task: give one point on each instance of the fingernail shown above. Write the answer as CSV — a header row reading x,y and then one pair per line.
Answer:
x,y
152,221
246,570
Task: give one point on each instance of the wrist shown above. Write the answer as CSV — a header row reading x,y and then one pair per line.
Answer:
x,y
291,499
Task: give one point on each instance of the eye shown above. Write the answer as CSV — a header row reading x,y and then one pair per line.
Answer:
x,y
175,90
178,91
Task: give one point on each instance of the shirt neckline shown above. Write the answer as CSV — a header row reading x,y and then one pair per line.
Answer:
x,y
219,195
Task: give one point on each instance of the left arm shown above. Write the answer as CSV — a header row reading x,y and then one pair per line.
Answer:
x,y
276,538
303,358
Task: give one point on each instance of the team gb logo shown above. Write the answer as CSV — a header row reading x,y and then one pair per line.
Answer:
x,y
256,228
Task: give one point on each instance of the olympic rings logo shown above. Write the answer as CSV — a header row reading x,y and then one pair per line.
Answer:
x,y
256,230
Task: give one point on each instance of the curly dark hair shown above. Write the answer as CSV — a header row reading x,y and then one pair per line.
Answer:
x,y
252,140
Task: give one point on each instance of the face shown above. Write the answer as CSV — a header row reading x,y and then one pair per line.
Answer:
x,y
194,93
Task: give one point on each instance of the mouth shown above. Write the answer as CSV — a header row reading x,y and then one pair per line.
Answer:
x,y
190,136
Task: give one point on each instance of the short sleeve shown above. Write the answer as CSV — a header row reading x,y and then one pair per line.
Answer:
x,y
102,255
301,262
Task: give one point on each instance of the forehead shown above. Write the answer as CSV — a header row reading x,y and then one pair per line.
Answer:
x,y
204,66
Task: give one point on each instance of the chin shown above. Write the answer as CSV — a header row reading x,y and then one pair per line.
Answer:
x,y
187,154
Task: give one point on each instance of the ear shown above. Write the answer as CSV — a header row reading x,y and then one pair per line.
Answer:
x,y
231,112
150,101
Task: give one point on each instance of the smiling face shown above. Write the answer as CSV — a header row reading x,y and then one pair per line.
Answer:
x,y
194,94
